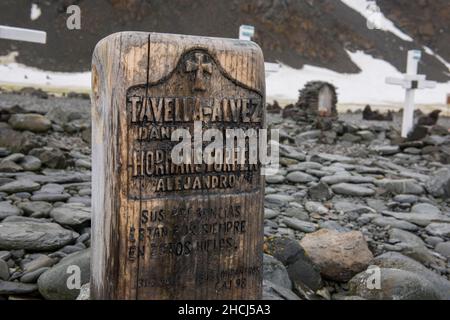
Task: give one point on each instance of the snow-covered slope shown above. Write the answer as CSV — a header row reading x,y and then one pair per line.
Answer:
x,y
367,86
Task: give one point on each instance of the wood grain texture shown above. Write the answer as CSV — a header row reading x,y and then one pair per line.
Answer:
x,y
165,232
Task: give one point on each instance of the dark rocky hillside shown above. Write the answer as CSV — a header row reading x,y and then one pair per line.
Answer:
x,y
294,32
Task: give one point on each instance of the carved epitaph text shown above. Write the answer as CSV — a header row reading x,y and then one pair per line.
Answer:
x,y
164,229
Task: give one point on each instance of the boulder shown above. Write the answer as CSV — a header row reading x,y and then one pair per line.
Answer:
x,y
71,214
276,272
394,284
438,184
338,255
30,122
395,260
53,283
33,235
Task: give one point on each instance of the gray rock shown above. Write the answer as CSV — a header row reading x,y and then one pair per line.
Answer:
x,y
303,166
300,177
50,197
333,225
17,141
4,152
279,199
443,249
320,192
36,208
52,188
4,270
30,122
51,157
275,179
395,284
5,255
41,261
7,210
31,235
394,260
275,272
406,198
300,225
425,208
33,276
394,223
30,163
20,186
439,184
53,283
13,288
325,157
272,291
352,190
340,178
386,150
439,229
420,219
316,207
405,186
270,214
72,214
348,207
302,271
411,246
308,135
10,167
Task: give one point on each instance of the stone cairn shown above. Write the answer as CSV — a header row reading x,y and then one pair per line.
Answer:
x,y
317,100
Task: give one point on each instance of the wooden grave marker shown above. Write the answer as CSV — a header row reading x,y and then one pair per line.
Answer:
x,y
162,231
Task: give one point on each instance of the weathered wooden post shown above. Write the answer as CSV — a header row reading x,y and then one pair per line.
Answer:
x,y
166,231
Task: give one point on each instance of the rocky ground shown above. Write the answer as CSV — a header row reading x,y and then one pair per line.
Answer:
x,y
355,213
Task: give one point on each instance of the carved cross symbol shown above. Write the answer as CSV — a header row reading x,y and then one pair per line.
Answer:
x,y
199,67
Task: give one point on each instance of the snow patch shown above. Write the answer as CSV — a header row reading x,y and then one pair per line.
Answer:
x,y
19,74
368,86
375,18
35,12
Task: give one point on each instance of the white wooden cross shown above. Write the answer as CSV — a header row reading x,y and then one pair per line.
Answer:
x,y
246,33
20,34
410,82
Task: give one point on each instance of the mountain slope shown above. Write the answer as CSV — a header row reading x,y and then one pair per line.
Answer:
x,y
294,32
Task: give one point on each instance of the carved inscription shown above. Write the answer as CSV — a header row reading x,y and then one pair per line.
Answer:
x,y
195,225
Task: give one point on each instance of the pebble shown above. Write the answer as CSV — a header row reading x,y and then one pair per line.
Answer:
x,y
299,225
7,210
33,276
36,208
352,190
300,177
12,288
316,207
20,186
